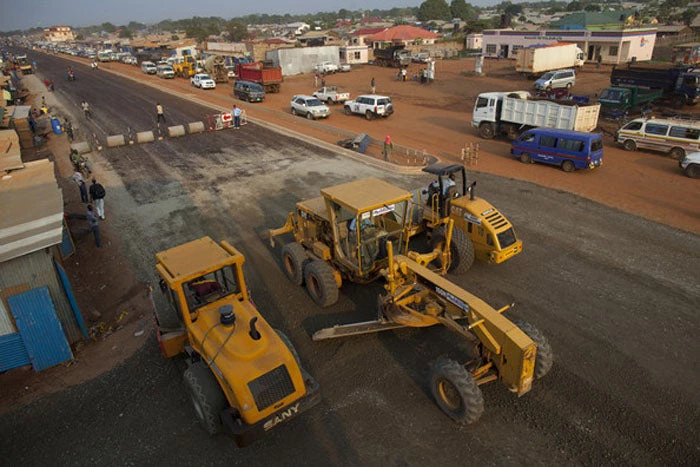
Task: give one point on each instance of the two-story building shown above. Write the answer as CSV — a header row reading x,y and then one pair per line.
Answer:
x,y
58,34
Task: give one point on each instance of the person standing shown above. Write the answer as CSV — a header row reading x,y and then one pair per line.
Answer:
x,y
236,117
403,74
316,79
388,147
372,83
160,114
86,109
97,196
323,82
94,225
80,181
68,129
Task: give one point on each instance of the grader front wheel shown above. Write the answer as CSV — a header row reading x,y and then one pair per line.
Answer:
x,y
545,357
456,391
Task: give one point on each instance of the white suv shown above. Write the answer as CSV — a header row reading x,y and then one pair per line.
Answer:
x,y
203,81
370,105
326,67
310,107
690,165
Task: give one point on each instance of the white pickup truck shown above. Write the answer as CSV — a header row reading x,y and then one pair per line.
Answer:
x,y
331,95
326,67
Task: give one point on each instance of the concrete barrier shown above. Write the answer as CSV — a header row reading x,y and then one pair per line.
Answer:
x,y
115,141
81,147
195,127
175,131
145,137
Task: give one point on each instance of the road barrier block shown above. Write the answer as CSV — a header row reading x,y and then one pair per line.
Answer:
x,y
195,127
115,141
175,131
145,137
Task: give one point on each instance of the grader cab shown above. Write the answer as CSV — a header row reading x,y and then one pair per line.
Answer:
x,y
481,230
343,235
243,376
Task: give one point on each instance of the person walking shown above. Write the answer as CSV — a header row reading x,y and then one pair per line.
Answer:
x,y
323,82
94,225
86,109
160,114
598,60
236,117
315,80
372,83
97,196
403,74
69,129
80,181
388,147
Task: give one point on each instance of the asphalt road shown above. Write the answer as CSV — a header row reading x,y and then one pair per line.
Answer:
x,y
616,295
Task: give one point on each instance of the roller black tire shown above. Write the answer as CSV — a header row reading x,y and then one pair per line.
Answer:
x,y
289,345
461,248
568,166
320,283
545,356
629,145
206,395
293,260
456,391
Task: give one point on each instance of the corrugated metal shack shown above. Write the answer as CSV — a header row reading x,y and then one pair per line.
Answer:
x,y
302,59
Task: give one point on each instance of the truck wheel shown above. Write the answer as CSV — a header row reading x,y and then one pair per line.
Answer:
x,y
525,158
456,391
207,397
347,110
487,131
289,345
677,153
369,115
545,357
320,283
692,171
568,166
461,249
294,258
629,145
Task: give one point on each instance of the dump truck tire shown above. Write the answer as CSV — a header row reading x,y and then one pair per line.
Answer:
x,y
456,391
206,395
294,259
462,249
320,283
290,346
545,357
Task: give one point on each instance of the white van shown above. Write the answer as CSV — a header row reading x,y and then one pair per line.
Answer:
x,y
676,137
149,68
165,71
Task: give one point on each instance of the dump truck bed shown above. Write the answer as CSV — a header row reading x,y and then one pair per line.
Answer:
x,y
549,114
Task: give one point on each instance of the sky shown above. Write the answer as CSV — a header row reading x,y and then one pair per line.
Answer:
x,y
24,14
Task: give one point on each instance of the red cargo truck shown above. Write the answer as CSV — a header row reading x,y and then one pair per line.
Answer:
x,y
270,77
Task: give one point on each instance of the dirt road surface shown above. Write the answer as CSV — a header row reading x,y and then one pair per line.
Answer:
x,y
615,294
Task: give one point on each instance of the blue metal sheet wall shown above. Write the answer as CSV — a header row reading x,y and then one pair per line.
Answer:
x,y
36,269
13,353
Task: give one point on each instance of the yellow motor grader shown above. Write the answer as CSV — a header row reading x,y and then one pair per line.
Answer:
x,y
243,376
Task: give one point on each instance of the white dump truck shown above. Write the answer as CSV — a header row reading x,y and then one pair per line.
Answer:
x,y
540,59
511,113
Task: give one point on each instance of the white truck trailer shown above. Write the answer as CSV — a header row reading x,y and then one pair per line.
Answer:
x,y
511,113
540,59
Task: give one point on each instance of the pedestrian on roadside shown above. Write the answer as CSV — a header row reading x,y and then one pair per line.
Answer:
x,y
69,130
51,87
97,196
86,109
160,115
323,82
80,181
94,225
34,66
371,83
403,74
236,117
316,80
598,60
388,147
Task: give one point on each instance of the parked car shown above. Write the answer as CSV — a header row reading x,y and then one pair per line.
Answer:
x,y
345,67
556,79
690,165
676,137
149,68
248,91
370,105
326,67
231,71
165,71
309,107
202,81
567,149
421,57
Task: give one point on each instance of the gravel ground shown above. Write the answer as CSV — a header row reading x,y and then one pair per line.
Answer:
x,y
616,295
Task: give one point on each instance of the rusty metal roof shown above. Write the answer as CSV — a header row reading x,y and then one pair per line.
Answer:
x,y
365,194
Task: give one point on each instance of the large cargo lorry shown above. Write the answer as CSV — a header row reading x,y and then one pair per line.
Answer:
x,y
540,59
680,84
624,99
265,74
396,56
511,113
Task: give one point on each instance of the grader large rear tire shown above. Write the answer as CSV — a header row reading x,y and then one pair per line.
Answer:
x,y
206,395
545,357
461,249
456,391
320,283
293,259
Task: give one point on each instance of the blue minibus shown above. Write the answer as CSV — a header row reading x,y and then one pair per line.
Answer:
x,y
567,149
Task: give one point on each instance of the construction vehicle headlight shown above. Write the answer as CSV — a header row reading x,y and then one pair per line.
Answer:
x,y
247,407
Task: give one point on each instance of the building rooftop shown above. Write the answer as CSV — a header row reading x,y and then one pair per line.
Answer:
x,y
403,32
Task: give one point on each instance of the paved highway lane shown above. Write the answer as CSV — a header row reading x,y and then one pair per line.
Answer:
x,y
615,294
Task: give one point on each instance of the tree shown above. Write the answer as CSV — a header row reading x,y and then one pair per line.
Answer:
x,y
135,26
125,33
688,16
434,10
197,32
236,31
462,10
512,9
522,19
592,7
574,6
108,27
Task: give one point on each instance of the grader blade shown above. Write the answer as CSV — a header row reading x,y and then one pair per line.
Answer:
x,y
355,329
